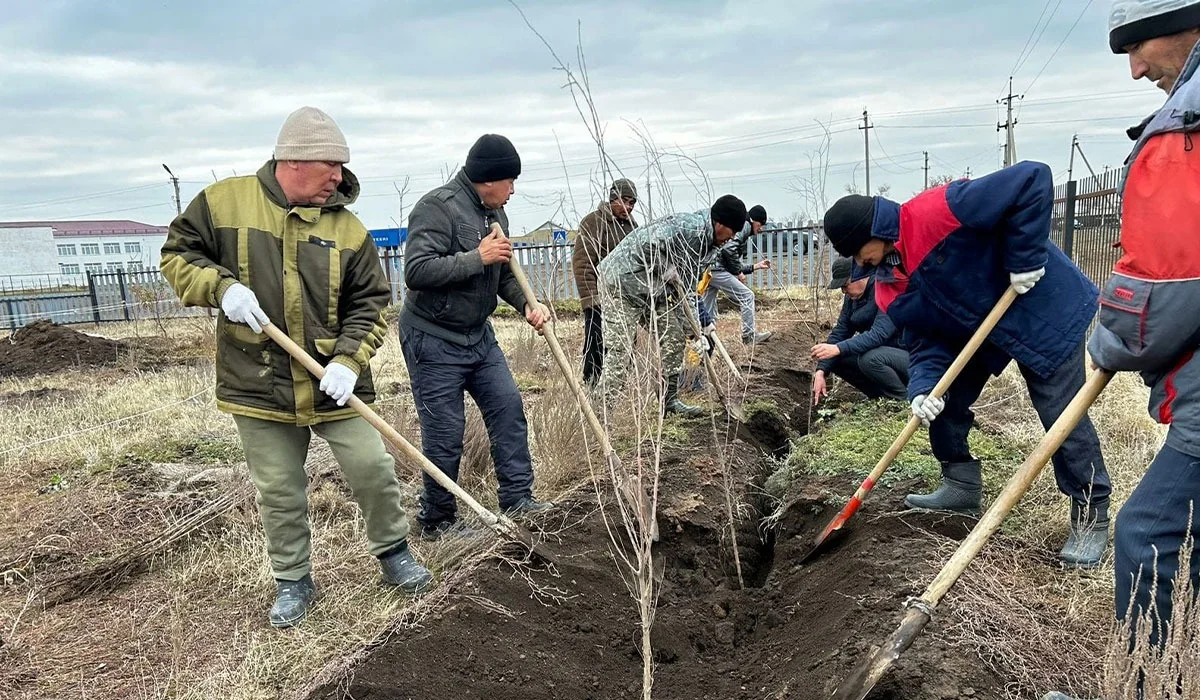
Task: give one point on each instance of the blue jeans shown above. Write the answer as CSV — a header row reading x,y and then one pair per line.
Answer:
x,y
1150,530
1078,465
440,372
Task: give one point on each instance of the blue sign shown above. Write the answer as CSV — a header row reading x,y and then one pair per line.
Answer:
x,y
560,236
389,237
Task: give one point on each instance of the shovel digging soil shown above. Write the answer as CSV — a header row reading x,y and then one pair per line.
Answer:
x,y
920,610
732,409
914,422
504,526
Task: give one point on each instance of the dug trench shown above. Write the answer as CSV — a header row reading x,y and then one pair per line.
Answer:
x,y
793,631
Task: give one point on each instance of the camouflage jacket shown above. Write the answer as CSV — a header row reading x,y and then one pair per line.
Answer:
x,y
636,269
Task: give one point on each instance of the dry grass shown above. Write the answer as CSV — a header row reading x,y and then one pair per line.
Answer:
x,y
1031,621
86,465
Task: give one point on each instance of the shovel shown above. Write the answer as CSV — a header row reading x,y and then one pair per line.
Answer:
x,y
734,411
504,526
921,609
635,496
964,356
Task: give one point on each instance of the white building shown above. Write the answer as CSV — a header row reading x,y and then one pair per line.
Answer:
x,y
63,252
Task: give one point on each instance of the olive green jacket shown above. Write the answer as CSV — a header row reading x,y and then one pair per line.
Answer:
x,y
316,273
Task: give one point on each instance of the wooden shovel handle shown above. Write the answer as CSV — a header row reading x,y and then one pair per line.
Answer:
x,y
390,434
910,428
641,503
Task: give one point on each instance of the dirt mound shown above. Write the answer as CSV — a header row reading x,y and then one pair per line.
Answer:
x,y
43,347
793,631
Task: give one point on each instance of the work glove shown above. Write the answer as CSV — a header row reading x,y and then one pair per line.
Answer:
x,y
1024,281
927,408
338,382
670,277
241,306
702,345
708,330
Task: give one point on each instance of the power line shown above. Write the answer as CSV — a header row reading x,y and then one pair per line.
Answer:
x,y
1020,56
1039,37
1060,45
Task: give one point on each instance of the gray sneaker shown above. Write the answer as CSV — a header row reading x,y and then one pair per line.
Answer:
x,y
529,506
756,338
292,601
400,569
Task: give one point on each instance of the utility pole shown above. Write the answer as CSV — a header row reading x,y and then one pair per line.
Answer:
x,y
926,169
865,128
1010,144
968,172
1071,162
175,182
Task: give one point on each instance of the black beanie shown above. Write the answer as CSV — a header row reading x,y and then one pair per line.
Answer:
x,y
757,213
730,211
492,158
848,223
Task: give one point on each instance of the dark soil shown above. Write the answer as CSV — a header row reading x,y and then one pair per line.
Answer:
x,y
795,630
44,347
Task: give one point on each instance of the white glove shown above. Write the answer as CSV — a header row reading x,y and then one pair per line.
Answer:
x,y
1024,281
702,345
338,382
241,306
708,330
927,408
670,276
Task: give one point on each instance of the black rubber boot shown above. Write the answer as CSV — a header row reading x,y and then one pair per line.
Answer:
x,y
961,490
292,601
672,404
400,569
1089,535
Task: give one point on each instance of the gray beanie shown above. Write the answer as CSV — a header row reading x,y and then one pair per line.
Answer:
x,y
310,134
622,189
1132,21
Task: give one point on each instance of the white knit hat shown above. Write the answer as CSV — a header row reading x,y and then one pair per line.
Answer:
x,y
1132,21
310,134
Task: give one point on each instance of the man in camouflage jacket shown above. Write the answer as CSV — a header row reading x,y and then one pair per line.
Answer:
x,y
637,281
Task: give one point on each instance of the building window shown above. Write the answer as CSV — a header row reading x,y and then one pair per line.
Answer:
x,y
112,248
66,249
68,269
136,266
94,268
89,248
133,248
115,267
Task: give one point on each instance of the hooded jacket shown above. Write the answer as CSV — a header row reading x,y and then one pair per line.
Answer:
x,y
955,247
1149,319
599,232
451,292
316,273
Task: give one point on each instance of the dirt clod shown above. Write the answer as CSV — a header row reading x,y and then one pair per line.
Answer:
x,y
44,347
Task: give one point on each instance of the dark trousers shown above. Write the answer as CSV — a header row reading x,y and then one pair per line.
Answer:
x,y
593,345
879,372
1150,530
1078,465
439,372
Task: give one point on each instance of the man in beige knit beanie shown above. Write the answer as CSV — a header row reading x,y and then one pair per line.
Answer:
x,y
281,247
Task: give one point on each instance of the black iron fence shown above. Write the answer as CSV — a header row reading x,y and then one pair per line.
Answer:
x,y
1087,223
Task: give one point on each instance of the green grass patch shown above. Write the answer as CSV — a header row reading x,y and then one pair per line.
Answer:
x,y
851,442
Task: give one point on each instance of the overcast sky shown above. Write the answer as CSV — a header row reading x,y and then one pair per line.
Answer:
x,y
95,96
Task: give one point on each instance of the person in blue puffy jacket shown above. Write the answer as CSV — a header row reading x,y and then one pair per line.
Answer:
x,y
942,261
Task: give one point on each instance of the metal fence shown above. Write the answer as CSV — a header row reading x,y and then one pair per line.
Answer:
x,y
106,297
549,265
1087,223
127,296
